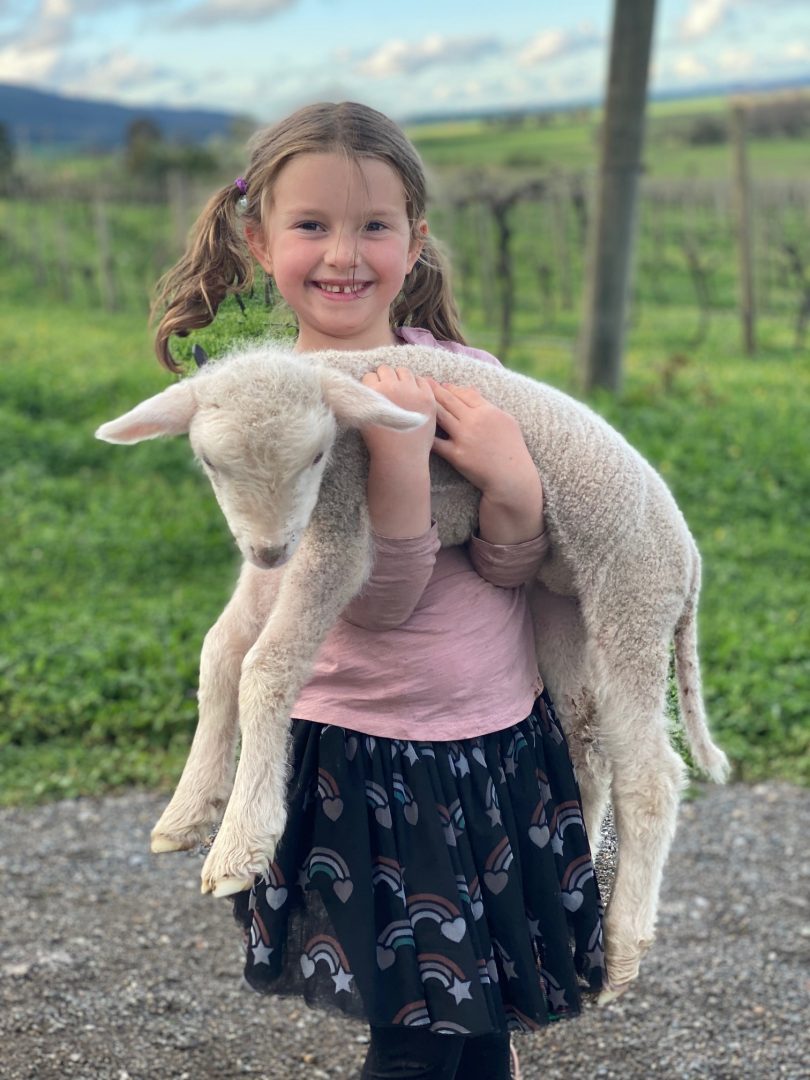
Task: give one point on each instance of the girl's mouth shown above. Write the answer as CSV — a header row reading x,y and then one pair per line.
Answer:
x,y
342,292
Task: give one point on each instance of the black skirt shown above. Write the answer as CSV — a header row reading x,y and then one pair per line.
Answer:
x,y
439,884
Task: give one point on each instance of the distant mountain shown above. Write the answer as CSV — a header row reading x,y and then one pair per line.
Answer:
x,y
38,118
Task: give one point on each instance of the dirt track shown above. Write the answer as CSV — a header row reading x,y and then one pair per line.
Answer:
x,y
114,966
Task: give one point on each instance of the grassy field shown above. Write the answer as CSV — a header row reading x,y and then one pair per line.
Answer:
x,y
115,560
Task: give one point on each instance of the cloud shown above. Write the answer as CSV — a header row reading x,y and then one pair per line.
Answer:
x,y
797,50
703,17
399,57
736,61
553,44
34,50
214,12
23,66
688,66
115,76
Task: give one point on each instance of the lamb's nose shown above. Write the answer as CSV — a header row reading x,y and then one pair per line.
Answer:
x,y
270,556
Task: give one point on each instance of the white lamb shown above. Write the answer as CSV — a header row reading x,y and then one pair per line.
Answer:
x,y
276,433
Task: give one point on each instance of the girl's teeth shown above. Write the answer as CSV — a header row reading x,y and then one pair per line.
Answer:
x,y
340,288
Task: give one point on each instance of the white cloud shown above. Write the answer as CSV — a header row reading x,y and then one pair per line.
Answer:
x,y
546,45
552,44
34,51
115,76
26,66
797,50
702,17
737,61
397,57
213,12
688,66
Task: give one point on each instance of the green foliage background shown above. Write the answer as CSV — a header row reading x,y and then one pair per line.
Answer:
x,y
115,560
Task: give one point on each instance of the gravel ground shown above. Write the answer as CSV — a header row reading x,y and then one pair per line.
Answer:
x,y
113,966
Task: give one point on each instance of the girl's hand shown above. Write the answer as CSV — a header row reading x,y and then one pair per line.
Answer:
x,y
409,391
486,446
399,474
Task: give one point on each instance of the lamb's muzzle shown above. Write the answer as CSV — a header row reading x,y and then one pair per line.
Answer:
x,y
620,584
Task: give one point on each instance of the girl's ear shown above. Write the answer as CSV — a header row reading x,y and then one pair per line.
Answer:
x,y
355,405
258,248
167,413
417,244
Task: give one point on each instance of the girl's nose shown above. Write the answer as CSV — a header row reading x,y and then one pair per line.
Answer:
x,y
342,252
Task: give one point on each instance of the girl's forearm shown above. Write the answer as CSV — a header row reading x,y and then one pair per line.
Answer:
x,y
513,513
398,496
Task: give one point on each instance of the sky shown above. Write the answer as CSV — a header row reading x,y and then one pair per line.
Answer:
x,y
265,57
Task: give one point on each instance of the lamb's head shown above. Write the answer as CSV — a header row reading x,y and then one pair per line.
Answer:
x,y
262,425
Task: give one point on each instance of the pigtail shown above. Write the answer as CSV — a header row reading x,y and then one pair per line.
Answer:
x,y
427,299
217,262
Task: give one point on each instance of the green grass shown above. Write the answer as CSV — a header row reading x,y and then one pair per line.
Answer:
x,y
116,560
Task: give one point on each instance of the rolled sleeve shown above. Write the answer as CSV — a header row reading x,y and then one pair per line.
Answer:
x,y
400,572
508,565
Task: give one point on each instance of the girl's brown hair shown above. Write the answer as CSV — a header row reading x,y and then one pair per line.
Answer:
x,y
217,261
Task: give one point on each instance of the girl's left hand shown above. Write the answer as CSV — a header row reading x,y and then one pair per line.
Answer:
x,y
483,442
486,446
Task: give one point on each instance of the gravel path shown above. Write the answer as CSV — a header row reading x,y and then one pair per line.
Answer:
x,y
113,966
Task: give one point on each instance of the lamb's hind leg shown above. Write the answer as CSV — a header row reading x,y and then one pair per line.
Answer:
x,y
205,785
564,661
648,777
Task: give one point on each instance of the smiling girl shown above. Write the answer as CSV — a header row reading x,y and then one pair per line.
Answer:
x,y
434,825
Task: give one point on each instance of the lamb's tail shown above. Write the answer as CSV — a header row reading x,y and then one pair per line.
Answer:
x,y
707,756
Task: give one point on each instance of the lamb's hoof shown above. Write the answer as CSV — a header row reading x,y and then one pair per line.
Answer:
x,y
162,842
611,994
228,886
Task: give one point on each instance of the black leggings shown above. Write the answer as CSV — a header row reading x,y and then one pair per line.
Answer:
x,y
413,1053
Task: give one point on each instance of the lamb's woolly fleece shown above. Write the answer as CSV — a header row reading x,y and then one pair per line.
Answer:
x,y
619,585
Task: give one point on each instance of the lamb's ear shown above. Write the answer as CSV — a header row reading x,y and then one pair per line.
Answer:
x,y
167,413
355,405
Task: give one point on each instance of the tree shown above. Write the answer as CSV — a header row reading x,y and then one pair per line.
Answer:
x,y
144,141
7,156
613,228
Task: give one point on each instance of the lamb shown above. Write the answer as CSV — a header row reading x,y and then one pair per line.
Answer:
x,y
277,434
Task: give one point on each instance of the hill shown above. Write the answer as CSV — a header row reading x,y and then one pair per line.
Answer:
x,y
38,118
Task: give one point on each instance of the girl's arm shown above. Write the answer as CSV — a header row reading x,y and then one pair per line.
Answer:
x,y
486,446
405,544
399,476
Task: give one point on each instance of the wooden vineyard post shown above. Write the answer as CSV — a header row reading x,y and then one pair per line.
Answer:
x,y
106,272
742,214
613,229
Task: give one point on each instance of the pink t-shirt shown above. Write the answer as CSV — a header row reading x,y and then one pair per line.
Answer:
x,y
439,644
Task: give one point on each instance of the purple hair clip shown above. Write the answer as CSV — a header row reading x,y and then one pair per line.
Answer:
x,y
241,186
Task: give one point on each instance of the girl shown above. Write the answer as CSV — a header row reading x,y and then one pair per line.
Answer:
x,y
434,877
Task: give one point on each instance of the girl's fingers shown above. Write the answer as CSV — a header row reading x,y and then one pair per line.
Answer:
x,y
445,419
446,399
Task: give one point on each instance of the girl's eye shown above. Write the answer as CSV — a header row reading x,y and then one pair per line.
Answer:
x,y
318,457
375,226
308,226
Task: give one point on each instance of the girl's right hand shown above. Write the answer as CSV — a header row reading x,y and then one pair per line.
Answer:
x,y
409,391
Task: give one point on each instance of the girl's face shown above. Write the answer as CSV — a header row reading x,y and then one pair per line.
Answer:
x,y
338,244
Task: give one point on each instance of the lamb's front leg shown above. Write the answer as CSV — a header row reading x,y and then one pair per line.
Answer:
x,y
205,783
318,585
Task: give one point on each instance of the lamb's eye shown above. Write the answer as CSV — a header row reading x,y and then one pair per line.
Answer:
x,y
207,463
318,457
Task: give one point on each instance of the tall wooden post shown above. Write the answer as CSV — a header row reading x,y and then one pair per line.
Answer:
x,y
742,214
613,229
